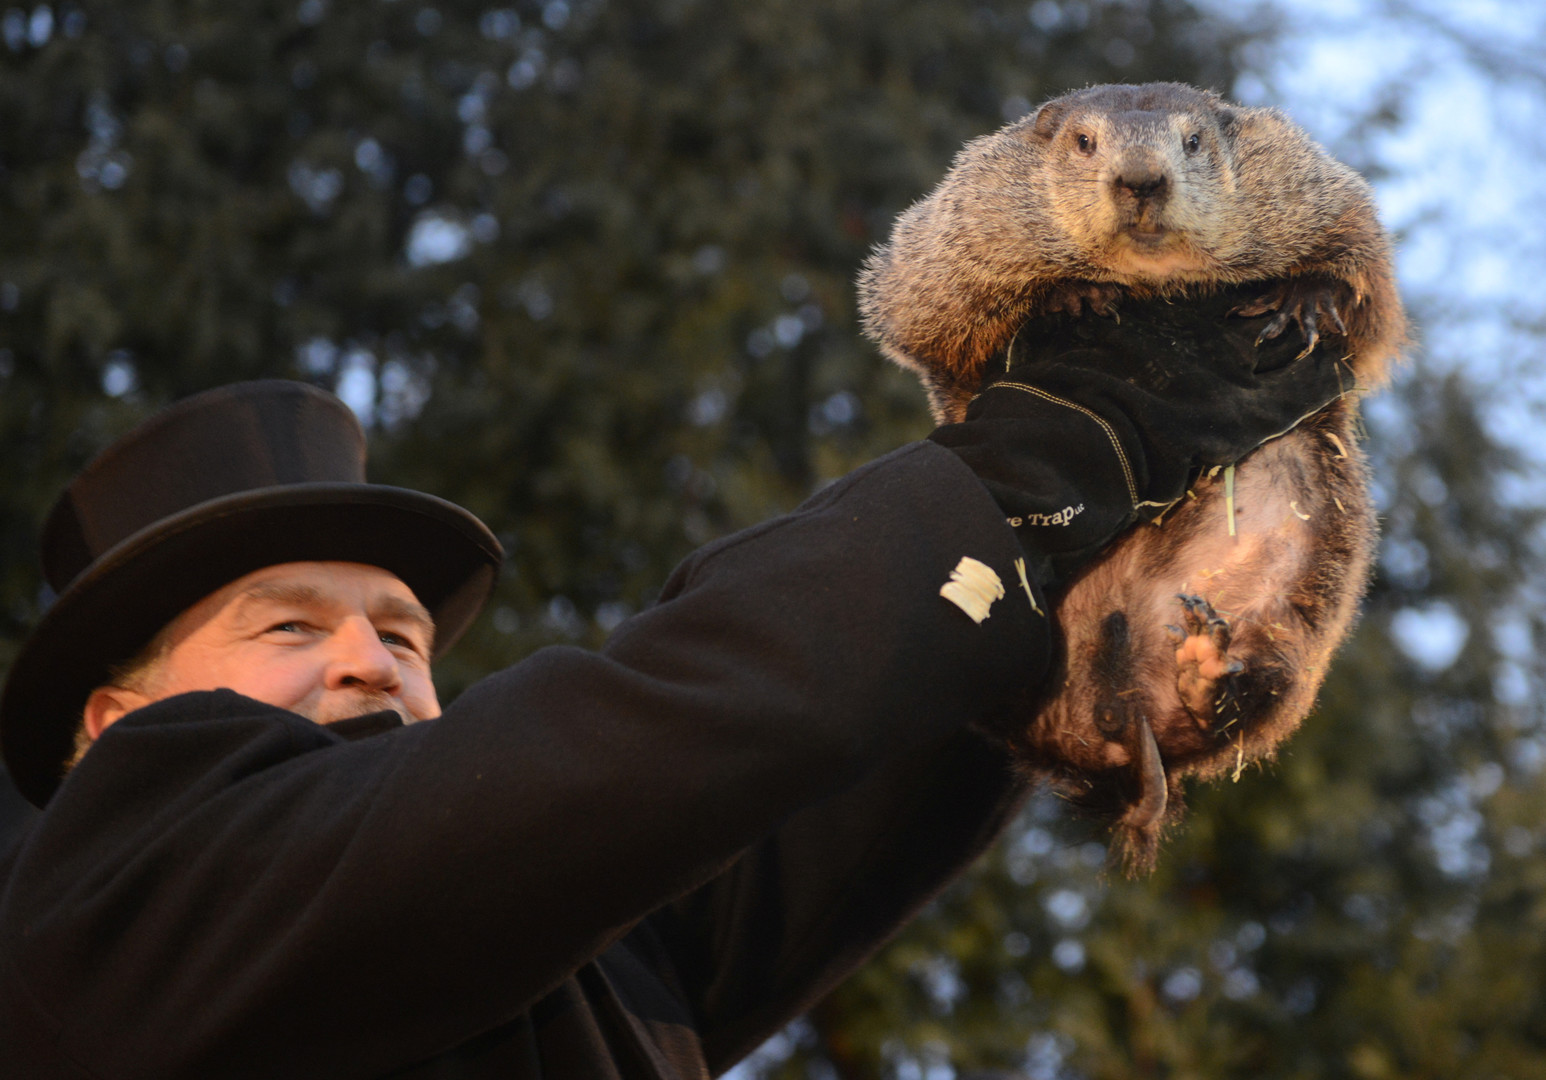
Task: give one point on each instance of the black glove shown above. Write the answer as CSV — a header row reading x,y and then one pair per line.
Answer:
x,y
1097,424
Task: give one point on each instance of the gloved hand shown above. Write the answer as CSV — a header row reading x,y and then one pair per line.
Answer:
x,y
1097,424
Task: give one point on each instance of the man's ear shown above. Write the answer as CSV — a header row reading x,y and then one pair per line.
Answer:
x,y
106,704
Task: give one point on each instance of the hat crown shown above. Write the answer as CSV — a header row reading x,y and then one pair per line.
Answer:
x,y
233,439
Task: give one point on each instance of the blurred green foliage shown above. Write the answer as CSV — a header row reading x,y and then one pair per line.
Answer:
x,y
585,267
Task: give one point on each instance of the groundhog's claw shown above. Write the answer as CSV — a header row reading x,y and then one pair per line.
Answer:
x,y
1305,301
1202,654
1280,323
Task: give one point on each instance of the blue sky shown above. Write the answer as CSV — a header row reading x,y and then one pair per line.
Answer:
x,y
1460,177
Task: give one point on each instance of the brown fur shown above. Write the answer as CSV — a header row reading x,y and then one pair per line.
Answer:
x,y
1164,190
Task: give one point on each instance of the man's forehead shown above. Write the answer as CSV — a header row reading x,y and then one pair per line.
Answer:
x,y
323,572
310,583
329,576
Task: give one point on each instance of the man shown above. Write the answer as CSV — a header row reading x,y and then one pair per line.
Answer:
x,y
634,863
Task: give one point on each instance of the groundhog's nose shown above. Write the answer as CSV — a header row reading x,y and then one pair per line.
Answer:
x,y
1143,183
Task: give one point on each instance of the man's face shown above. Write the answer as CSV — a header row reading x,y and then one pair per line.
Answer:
x,y
327,640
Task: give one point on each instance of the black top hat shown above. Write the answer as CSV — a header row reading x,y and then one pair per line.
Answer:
x,y
210,489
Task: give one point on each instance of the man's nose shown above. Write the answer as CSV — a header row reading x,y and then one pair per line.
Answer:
x,y
359,659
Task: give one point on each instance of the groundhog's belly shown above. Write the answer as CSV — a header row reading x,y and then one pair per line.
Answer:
x,y
1218,640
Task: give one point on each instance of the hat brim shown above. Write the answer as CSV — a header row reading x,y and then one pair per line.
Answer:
x,y
443,553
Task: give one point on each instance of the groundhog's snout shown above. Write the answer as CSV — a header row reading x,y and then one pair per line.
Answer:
x,y
1140,186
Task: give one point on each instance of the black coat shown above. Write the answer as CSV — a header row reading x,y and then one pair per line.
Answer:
x,y
633,863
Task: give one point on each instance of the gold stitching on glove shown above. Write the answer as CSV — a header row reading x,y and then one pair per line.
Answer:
x,y
1127,469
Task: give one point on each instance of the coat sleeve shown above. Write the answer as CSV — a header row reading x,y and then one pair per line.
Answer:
x,y
763,942
220,883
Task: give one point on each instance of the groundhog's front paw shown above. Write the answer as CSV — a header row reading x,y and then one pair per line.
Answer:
x,y
1203,660
1312,302
1071,297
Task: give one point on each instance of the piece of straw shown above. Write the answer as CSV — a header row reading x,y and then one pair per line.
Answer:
x,y
1229,497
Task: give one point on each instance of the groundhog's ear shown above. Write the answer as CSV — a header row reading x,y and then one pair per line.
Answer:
x,y
1049,118
1229,122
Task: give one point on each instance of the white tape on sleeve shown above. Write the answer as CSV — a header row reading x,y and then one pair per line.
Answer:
x,y
973,586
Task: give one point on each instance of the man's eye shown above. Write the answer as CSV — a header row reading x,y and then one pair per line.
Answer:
x,y
291,627
397,640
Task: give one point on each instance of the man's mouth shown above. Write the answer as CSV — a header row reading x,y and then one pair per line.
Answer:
x,y
358,703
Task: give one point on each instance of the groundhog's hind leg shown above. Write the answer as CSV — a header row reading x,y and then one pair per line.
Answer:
x,y
1229,670
1204,661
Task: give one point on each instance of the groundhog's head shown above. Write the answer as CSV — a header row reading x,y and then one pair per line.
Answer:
x,y
1139,179
1154,189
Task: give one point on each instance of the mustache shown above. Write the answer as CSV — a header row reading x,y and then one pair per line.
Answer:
x,y
345,705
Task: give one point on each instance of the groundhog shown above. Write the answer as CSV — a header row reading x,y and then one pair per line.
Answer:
x,y
1197,642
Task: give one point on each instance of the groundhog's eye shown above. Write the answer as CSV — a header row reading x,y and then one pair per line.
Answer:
x,y
1193,143
1086,144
